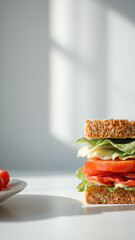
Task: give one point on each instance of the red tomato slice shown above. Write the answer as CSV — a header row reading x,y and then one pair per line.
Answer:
x,y
112,179
129,183
128,175
5,176
111,166
106,180
104,174
93,173
1,183
102,180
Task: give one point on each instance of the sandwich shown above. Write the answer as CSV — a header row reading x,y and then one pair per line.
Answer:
x,y
108,175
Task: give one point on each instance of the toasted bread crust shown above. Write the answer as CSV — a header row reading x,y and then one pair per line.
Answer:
x,y
101,195
110,128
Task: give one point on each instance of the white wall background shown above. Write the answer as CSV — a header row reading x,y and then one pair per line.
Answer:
x,y
61,62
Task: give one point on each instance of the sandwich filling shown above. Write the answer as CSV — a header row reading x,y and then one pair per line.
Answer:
x,y
111,163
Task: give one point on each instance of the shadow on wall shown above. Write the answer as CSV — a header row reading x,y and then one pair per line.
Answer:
x,y
57,77
123,7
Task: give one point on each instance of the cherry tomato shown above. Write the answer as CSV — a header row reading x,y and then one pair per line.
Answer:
x,y
1,183
5,176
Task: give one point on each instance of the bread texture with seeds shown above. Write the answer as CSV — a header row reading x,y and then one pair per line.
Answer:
x,y
101,195
110,128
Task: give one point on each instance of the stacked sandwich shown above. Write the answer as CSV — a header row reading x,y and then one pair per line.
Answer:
x,y
108,175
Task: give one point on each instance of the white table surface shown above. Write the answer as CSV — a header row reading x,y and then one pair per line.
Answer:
x,y
51,208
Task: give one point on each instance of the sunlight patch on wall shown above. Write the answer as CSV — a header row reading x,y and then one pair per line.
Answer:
x,y
121,66
77,66
90,17
60,22
60,96
60,69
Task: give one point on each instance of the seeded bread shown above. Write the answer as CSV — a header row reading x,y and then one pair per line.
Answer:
x,y
101,195
110,128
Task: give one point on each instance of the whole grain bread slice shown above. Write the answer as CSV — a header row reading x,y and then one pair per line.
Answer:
x,y
101,195
110,128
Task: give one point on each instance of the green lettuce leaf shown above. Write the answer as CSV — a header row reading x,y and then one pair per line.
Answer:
x,y
103,153
84,184
122,148
130,188
112,189
80,174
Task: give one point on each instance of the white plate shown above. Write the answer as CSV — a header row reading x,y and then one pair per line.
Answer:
x,y
15,186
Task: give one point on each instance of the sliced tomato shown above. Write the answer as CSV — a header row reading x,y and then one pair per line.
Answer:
x,y
128,175
94,173
112,180
110,165
103,180
129,182
104,174
106,180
